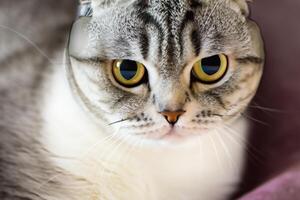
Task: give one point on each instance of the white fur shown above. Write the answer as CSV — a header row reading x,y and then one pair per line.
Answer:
x,y
206,167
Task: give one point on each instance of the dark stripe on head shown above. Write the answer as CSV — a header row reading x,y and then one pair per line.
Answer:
x,y
170,51
217,97
171,43
188,18
195,38
144,44
142,4
195,4
148,19
250,59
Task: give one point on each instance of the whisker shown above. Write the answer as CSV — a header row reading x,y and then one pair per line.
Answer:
x,y
218,3
28,41
101,141
131,148
199,141
235,133
119,121
215,150
212,12
263,108
253,152
255,120
117,144
101,174
266,108
225,148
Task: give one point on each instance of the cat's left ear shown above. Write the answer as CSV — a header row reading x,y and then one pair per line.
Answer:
x,y
98,4
240,6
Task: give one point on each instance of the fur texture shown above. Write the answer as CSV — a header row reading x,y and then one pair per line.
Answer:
x,y
59,139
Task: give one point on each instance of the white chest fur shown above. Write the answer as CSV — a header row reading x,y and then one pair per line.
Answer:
x,y
206,168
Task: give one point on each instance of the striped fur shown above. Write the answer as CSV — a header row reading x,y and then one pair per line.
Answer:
x,y
70,131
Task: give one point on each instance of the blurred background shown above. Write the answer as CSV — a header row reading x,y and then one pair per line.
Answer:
x,y
275,135
274,145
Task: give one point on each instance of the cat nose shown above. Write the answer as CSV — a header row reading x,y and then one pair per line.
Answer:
x,y
172,116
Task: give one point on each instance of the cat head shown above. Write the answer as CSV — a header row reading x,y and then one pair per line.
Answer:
x,y
159,70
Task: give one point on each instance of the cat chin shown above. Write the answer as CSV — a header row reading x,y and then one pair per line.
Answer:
x,y
178,136
174,136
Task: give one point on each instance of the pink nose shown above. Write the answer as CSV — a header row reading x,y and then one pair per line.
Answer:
x,y
172,116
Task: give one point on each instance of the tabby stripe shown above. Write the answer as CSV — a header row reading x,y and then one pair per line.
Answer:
x,y
171,42
144,44
246,97
141,5
250,75
188,18
217,97
148,19
196,41
195,4
250,59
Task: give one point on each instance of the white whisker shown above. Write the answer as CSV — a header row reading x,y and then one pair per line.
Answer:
x,y
101,141
28,41
218,3
255,120
216,151
225,149
244,144
236,134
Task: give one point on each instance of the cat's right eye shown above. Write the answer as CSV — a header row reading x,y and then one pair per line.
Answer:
x,y
211,69
129,73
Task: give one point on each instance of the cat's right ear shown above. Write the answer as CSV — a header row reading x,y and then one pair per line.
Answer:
x,y
79,35
78,38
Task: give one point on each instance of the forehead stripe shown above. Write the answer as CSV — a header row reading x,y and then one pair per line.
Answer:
x,y
250,59
144,44
148,19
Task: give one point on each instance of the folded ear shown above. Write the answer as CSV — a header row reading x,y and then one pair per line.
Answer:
x,y
90,7
240,6
108,3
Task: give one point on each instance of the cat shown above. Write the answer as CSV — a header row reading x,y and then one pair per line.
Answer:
x,y
147,104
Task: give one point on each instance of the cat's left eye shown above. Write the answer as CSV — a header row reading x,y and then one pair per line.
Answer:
x,y
128,73
210,70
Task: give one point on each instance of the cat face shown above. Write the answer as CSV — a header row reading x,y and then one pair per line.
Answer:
x,y
160,70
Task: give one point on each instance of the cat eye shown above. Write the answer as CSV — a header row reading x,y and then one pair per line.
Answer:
x,y
211,69
128,73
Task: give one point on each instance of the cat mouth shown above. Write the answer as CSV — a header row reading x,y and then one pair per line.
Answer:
x,y
171,134
178,134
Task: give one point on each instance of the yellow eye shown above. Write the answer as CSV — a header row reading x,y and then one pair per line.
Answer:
x,y
211,69
128,73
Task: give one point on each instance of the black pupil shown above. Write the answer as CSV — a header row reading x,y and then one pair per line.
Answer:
x,y
211,65
128,69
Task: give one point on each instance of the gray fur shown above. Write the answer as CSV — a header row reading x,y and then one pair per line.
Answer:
x,y
117,32
24,163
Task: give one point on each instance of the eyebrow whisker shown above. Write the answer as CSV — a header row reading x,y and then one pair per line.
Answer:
x,y
119,121
250,59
